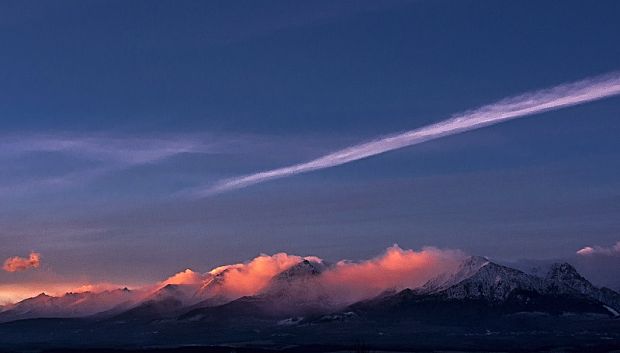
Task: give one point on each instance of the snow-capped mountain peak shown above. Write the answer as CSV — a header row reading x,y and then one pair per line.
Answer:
x,y
492,282
212,285
297,286
466,269
479,278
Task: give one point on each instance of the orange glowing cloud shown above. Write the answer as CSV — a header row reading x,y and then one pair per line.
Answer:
x,y
394,269
185,277
251,277
343,282
17,264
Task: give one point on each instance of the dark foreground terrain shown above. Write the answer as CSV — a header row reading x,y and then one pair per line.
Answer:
x,y
357,348
515,332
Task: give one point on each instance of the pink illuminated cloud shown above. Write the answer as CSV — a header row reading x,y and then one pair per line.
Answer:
x,y
600,250
17,263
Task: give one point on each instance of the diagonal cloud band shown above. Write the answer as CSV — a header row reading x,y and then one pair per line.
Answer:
x,y
557,97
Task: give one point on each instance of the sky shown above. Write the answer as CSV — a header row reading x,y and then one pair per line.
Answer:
x,y
114,113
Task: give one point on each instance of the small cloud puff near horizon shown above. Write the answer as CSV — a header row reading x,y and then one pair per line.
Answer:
x,y
18,264
613,250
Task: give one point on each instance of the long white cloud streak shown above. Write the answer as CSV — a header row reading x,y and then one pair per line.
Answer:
x,y
562,96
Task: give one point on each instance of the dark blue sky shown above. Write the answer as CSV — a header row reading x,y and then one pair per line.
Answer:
x,y
111,108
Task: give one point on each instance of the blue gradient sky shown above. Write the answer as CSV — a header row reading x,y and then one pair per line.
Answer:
x,y
111,108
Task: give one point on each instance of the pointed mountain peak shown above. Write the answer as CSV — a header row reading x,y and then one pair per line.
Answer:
x,y
469,267
474,262
169,287
212,286
294,278
301,269
564,275
42,295
479,277
563,271
177,291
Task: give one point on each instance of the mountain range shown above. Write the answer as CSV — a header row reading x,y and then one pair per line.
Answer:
x,y
294,308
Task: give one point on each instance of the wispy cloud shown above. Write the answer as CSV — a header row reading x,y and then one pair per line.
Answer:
x,y
125,150
558,97
600,250
99,154
89,156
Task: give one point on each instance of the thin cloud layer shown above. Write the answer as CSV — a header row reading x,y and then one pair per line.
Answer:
x,y
613,250
17,263
120,150
558,97
82,158
92,156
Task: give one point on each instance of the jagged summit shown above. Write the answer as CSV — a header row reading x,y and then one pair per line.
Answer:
x,y
474,262
295,281
564,278
302,269
297,289
563,272
212,285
